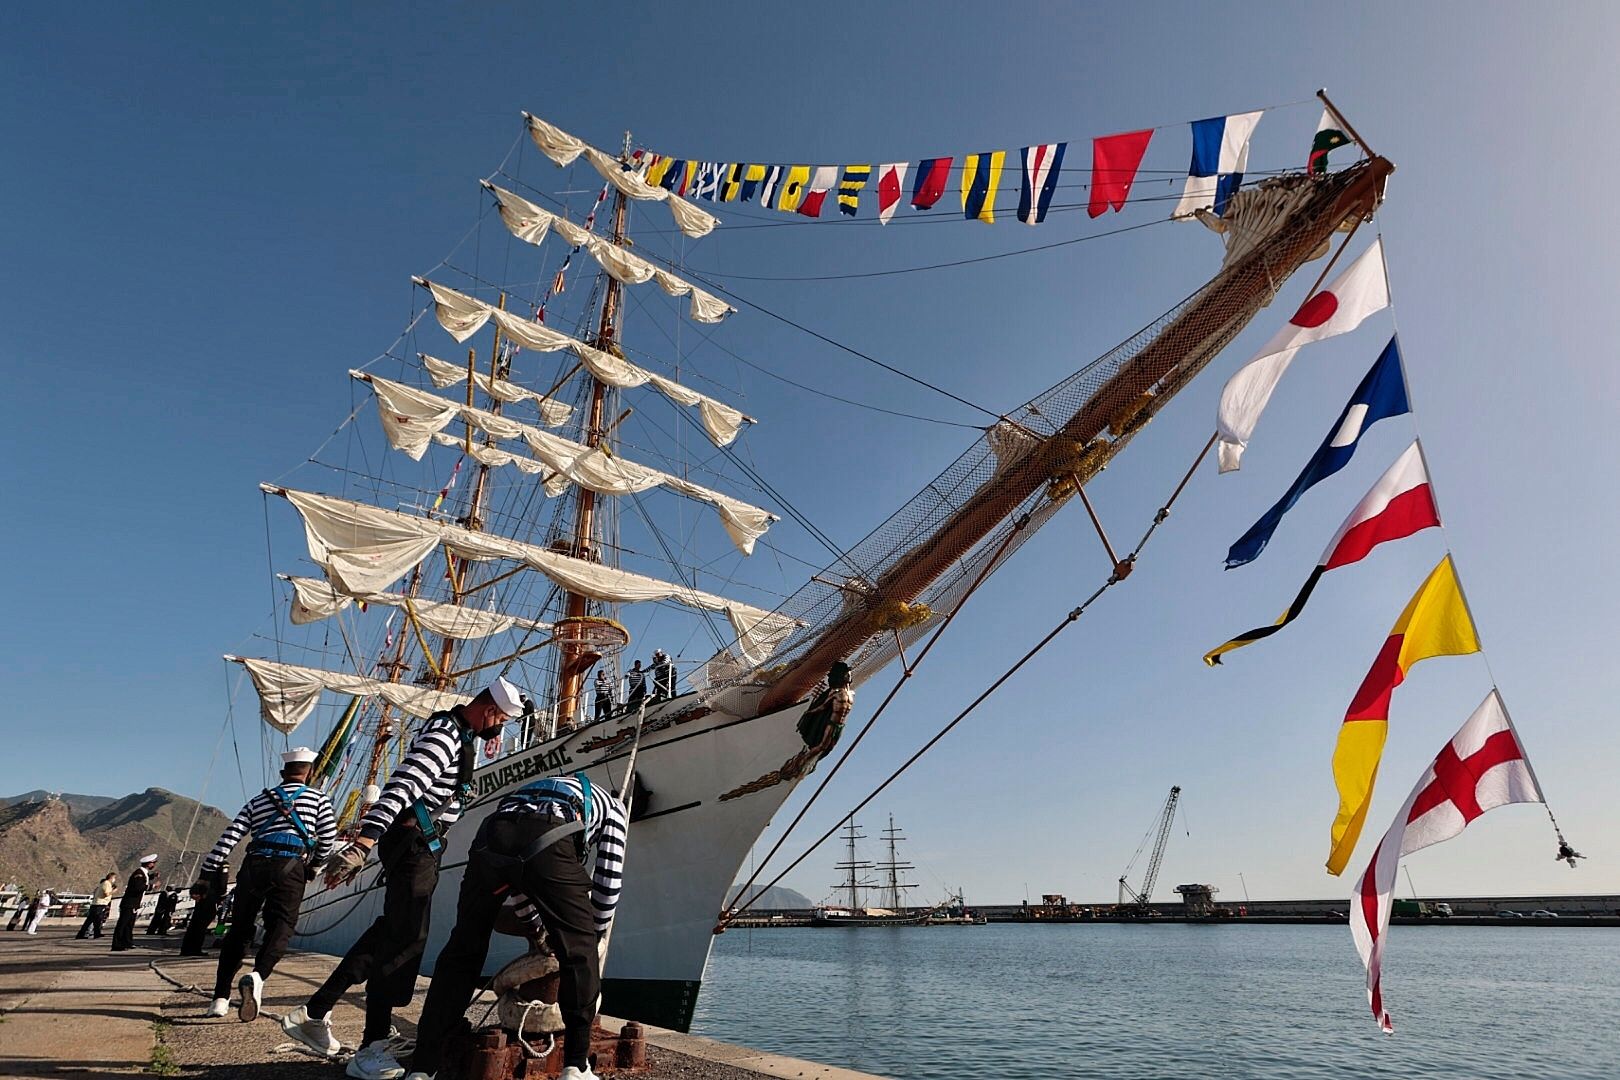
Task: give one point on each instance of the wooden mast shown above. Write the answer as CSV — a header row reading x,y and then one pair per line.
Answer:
x,y
571,670
475,522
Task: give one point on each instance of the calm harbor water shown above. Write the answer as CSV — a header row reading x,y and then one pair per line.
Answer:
x,y
1113,1000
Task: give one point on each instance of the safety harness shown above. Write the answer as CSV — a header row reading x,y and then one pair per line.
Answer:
x,y
465,763
550,790
279,843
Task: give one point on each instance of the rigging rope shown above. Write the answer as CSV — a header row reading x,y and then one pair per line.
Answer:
x,y
906,671
1120,571
933,266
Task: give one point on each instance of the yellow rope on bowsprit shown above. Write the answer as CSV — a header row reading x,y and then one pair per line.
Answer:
x,y
898,615
1075,461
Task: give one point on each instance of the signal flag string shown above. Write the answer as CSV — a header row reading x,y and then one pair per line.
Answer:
x,y
1565,851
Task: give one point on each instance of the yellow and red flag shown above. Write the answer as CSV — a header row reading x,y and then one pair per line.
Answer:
x,y
1435,623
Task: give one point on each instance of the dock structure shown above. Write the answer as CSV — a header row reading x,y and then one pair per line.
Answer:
x,y
74,1010
1584,910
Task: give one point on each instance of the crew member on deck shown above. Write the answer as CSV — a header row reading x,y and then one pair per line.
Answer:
x,y
100,904
637,678
534,845
421,800
293,830
604,696
663,673
130,905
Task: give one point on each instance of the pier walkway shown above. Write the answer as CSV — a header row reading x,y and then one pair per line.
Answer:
x,y
75,1010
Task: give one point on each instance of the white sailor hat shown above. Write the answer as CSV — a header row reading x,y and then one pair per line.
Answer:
x,y
298,755
147,860
507,697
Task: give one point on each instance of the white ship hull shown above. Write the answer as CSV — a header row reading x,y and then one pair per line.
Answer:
x,y
686,845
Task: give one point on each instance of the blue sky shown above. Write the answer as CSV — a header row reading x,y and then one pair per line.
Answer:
x,y
212,215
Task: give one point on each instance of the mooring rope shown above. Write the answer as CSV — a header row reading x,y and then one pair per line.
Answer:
x,y
1121,570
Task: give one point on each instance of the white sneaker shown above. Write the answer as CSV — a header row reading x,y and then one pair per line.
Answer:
x,y
418,1076
252,990
315,1034
219,1007
374,1062
571,1073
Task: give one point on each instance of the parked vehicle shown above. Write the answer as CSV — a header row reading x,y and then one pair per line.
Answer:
x,y
1544,914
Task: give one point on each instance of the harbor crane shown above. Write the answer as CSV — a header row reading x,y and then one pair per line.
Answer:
x,y
1129,898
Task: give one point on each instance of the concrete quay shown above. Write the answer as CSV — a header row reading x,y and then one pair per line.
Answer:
x,y
75,1010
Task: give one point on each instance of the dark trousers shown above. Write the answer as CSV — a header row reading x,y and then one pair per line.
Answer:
x,y
604,708
124,930
277,887
389,954
94,921
197,927
560,888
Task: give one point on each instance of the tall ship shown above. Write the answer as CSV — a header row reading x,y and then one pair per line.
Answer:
x,y
527,485
892,891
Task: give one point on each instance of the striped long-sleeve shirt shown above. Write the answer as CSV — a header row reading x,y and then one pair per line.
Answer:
x,y
606,828
262,816
430,771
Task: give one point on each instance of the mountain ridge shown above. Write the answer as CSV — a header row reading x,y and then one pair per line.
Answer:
x,y
69,842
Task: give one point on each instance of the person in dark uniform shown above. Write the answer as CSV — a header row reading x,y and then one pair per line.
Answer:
x,y
163,913
535,845
637,679
100,905
206,894
130,905
422,798
604,696
292,828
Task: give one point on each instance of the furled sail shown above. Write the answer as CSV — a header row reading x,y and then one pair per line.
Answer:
x,y
463,316
366,548
443,373
530,223
288,692
315,599
554,483
564,149
412,417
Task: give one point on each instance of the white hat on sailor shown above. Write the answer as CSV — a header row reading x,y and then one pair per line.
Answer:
x,y
507,697
298,755
147,860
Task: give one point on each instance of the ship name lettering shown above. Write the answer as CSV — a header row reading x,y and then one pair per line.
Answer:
x,y
533,765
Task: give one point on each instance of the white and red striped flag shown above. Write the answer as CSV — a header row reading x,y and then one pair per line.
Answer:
x,y
891,183
1481,768
1399,504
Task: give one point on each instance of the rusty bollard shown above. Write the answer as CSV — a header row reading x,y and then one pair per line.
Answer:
x,y
632,1048
489,1057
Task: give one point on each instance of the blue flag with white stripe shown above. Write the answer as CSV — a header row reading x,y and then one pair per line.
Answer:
x,y
1382,393
1220,154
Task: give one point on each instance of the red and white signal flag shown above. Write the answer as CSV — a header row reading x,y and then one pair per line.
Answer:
x,y
1481,768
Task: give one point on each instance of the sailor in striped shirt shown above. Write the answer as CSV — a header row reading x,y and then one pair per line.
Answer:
x,y
534,848
407,823
292,828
